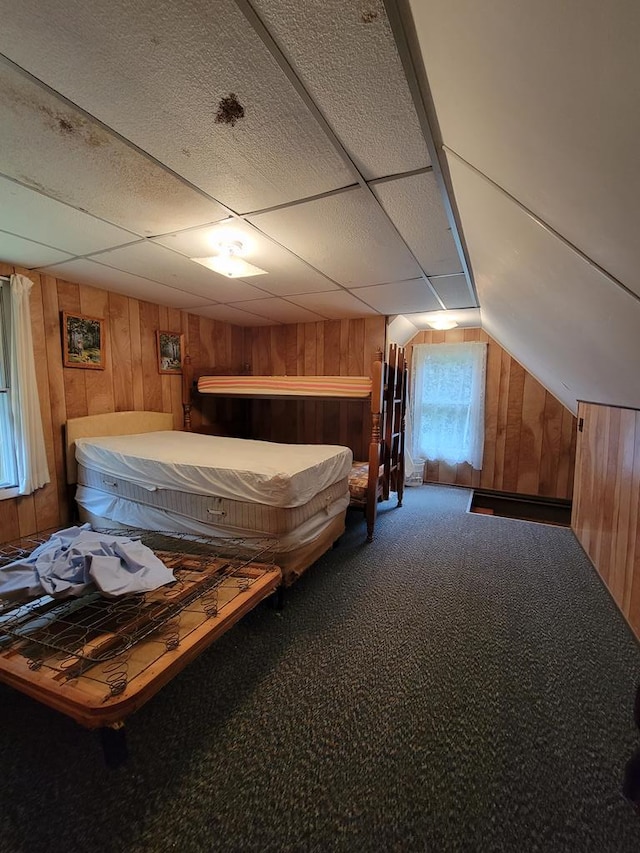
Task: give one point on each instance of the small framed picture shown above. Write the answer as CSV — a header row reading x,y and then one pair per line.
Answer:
x,y
170,347
83,341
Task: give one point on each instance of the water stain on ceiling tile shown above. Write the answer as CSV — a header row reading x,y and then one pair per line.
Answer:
x,y
230,110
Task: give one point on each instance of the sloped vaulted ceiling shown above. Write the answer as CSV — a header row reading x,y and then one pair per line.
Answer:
x,y
536,115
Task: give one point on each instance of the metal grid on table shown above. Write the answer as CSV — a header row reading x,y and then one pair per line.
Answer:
x,y
98,637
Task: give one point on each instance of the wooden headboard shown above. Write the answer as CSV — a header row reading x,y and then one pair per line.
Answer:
x,y
111,423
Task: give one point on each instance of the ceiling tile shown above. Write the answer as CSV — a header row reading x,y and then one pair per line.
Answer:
x,y
89,272
280,310
58,150
25,253
230,314
400,297
160,264
454,291
414,205
31,214
346,236
170,68
337,305
334,42
287,273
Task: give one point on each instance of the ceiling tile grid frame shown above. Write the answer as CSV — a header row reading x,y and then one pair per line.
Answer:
x,y
86,271
546,305
280,310
234,315
454,291
26,212
171,64
288,274
49,145
150,260
27,253
335,305
328,42
414,205
401,297
333,235
544,99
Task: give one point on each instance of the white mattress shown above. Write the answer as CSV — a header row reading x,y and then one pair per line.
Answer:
x,y
283,475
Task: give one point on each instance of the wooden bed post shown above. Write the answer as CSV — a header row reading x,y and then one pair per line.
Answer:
x,y
187,374
374,445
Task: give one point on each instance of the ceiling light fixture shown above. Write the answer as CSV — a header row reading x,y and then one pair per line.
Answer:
x,y
441,323
229,262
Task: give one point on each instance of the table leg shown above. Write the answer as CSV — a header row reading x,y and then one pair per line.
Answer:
x,y
114,745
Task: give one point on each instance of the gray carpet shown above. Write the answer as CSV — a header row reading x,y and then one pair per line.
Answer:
x,y
463,683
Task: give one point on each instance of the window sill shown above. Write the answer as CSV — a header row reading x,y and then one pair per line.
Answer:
x,y
11,492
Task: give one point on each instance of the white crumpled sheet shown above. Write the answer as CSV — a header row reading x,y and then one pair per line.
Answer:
x,y
77,560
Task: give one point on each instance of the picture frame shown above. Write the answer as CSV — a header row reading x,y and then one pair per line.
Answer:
x,y
170,348
83,341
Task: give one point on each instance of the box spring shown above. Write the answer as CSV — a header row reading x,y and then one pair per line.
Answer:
x,y
259,519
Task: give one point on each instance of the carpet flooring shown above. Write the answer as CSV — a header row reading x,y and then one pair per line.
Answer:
x,y
463,683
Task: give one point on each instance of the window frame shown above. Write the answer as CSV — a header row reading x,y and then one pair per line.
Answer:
x,y
10,490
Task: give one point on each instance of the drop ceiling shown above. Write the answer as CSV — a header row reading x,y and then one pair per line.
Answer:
x,y
395,158
115,171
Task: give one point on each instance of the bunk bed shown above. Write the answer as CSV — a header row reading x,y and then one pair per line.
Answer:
x,y
370,481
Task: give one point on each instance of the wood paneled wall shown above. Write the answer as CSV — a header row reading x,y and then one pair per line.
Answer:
x,y
606,504
130,379
529,445
330,348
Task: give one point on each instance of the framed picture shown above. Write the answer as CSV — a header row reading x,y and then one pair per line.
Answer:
x,y
170,346
83,341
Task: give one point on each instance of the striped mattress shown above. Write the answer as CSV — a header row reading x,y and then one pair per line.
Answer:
x,y
348,387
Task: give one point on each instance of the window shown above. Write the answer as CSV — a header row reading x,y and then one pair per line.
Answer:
x,y
448,402
23,455
8,476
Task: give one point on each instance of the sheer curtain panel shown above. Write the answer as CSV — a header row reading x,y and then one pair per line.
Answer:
x,y
31,456
448,402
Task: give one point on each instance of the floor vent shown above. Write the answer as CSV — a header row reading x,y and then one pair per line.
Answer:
x,y
524,507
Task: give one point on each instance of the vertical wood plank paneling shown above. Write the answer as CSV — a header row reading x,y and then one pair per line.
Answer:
x,y
492,396
136,355
607,500
529,443
152,386
502,420
531,436
120,326
623,527
514,427
550,452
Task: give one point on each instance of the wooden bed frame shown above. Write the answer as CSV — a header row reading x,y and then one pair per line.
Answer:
x,y
383,472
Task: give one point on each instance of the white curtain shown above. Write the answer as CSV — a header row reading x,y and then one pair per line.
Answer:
x,y
31,456
448,382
